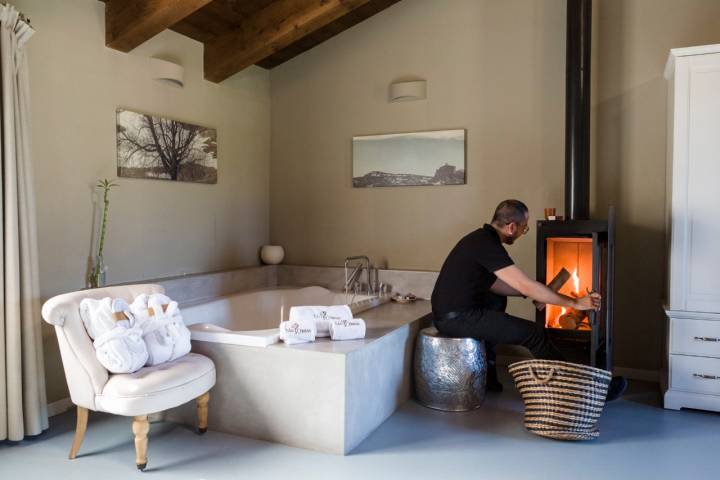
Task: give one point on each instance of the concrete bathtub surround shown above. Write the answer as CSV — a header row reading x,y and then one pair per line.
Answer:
x,y
327,396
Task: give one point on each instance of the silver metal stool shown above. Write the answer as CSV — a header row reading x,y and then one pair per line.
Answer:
x,y
449,372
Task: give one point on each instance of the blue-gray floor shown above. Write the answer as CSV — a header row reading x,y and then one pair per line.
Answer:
x,y
638,440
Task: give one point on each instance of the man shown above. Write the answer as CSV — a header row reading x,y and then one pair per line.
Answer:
x,y
478,275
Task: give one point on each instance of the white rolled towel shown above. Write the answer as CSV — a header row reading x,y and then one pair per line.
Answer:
x,y
118,342
347,329
322,316
298,331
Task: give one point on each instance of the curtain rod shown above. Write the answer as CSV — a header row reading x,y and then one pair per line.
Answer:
x,y
21,15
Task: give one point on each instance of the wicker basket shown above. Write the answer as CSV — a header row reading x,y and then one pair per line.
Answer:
x,y
562,400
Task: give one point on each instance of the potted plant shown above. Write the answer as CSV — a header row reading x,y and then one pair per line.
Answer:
x,y
96,277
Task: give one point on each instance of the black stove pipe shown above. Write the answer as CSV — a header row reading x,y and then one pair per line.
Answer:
x,y
577,110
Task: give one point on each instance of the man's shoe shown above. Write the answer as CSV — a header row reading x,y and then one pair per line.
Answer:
x,y
617,388
492,384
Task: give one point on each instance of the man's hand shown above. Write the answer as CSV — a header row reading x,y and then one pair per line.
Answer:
x,y
588,302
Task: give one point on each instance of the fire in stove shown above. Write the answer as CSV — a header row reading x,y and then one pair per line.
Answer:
x,y
570,318
565,255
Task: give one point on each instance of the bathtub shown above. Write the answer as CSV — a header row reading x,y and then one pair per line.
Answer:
x,y
325,396
252,318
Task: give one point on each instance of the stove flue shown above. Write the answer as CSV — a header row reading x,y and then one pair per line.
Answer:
x,y
577,250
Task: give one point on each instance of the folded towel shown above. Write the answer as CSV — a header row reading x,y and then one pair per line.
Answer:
x,y
298,331
322,316
347,329
118,342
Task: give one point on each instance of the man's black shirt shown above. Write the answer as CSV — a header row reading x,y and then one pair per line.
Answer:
x,y
468,271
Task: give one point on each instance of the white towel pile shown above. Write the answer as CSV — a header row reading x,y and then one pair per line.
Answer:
x,y
126,337
322,316
309,322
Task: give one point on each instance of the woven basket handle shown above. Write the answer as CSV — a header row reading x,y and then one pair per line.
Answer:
x,y
542,381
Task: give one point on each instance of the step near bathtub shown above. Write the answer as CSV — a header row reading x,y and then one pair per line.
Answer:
x,y
255,338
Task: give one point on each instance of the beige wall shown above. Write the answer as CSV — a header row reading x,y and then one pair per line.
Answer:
x,y
156,228
633,41
493,67
497,69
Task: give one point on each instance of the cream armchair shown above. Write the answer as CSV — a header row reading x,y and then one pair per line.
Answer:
x,y
149,390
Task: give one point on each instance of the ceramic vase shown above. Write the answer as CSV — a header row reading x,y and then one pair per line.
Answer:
x,y
272,254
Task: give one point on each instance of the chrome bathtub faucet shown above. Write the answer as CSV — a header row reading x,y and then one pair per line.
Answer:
x,y
352,277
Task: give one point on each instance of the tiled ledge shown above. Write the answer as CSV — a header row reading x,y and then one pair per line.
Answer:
x,y
420,283
201,286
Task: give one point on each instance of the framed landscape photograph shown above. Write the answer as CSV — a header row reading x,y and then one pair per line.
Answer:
x,y
403,159
160,148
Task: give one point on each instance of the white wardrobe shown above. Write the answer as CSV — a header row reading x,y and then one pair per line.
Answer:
x,y
693,216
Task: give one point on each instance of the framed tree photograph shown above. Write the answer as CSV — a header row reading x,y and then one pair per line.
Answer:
x,y
403,159
160,148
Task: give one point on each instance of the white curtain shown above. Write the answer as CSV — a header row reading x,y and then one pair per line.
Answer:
x,y
23,406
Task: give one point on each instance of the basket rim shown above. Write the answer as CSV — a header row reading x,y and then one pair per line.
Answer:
x,y
560,434
560,363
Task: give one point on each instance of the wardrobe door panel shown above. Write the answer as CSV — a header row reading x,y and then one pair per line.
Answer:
x,y
703,187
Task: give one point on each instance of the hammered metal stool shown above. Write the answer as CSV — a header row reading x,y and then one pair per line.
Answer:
x,y
449,372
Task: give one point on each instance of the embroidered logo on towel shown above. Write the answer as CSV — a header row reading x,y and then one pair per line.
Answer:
x,y
346,323
323,315
294,328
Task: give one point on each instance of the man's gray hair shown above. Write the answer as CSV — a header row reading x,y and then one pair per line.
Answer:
x,y
510,211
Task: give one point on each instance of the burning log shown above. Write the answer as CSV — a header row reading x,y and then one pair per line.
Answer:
x,y
567,322
584,325
571,319
560,280
555,285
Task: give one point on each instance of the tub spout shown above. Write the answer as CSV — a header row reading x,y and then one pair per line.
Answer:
x,y
352,278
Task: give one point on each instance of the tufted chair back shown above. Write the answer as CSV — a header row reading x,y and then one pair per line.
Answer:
x,y
85,376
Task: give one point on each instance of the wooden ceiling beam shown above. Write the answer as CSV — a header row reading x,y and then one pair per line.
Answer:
x,y
128,23
270,30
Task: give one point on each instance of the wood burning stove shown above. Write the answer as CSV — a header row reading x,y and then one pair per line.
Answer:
x,y
586,249
583,247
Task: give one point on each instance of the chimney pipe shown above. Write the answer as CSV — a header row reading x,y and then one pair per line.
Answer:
x,y
577,110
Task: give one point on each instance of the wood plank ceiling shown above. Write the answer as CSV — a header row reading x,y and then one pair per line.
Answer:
x,y
237,33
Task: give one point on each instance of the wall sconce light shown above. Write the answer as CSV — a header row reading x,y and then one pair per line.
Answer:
x,y
406,91
166,72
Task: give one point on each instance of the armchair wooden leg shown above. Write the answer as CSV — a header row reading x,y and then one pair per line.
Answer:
x,y
202,409
80,428
141,427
